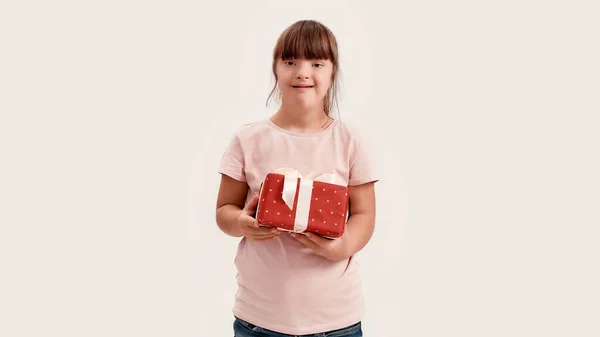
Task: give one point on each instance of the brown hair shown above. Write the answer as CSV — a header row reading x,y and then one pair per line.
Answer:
x,y
311,40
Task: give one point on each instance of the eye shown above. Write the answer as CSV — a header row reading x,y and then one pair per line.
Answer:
x,y
288,62
318,65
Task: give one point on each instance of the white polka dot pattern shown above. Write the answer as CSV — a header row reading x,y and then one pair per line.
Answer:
x,y
327,214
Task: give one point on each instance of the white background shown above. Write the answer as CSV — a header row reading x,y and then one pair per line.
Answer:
x,y
483,118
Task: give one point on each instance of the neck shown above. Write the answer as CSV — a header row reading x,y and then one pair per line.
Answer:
x,y
301,119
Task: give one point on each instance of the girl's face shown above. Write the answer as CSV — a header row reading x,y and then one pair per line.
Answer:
x,y
304,82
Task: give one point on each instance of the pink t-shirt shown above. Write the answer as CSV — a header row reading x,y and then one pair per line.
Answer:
x,y
282,285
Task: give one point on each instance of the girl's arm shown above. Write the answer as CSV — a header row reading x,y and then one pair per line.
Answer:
x,y
361,223
230,202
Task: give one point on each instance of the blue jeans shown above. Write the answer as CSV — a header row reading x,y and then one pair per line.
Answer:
x,y
242,328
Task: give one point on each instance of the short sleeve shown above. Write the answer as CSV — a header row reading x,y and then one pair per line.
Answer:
x,y
232,161
362,168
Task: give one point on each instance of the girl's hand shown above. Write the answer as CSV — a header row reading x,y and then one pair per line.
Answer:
x,y
336,249
250,227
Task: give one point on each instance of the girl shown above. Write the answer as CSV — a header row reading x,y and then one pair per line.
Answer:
x,y
297,284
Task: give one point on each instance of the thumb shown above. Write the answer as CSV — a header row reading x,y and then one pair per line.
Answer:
x,y
251,205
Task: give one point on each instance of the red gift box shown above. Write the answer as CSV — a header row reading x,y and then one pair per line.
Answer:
x,y
296,204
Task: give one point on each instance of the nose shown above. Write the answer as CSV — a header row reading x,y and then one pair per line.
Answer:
x,y
302,71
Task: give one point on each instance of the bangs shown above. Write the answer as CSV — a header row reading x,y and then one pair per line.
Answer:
x,y
306,39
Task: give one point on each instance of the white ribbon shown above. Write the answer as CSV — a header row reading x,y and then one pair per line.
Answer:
x,y
290,185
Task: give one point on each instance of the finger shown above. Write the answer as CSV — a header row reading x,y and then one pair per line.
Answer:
x,y
252,224
260,238
306,241
263,231
317,239
255,227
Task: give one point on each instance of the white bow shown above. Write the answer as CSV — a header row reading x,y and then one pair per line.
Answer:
x,y
291,180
